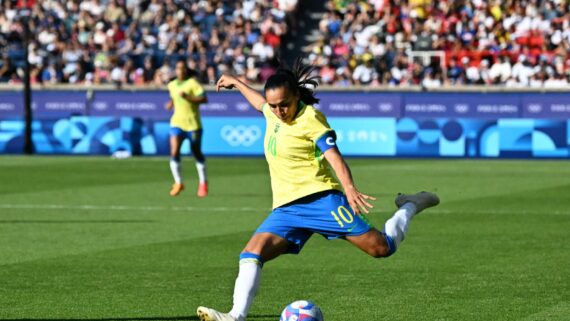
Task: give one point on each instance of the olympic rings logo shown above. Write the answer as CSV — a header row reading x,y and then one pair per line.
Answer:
x,y
240,135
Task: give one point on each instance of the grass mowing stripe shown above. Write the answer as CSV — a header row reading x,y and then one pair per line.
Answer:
x,y
130,208
204,210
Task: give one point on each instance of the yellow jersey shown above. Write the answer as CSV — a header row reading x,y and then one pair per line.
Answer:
x,y
296,165
186,115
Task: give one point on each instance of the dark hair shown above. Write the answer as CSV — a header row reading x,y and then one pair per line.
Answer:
x,y
188,73
296,81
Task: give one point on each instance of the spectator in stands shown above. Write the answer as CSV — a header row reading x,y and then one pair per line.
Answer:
x,y
164,30
210,31
455,73
491,31
7,69
500,70
148,70
365,73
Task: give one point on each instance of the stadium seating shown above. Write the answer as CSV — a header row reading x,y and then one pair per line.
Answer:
x,y
451,42
369,43
109,41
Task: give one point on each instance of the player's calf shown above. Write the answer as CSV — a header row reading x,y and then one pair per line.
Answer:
x,y
373,243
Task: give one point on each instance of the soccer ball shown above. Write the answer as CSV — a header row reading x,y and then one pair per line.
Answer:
x,y
302,310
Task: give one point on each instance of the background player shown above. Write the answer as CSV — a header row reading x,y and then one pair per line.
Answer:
x,y
186,95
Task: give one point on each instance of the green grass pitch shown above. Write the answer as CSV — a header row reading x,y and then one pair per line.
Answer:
x,y
92,238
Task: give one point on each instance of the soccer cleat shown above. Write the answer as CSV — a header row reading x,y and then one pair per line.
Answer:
x,y
421,200
176,189
207,314
202,190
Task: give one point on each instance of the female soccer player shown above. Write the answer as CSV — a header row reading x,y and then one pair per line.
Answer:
x,y
186,95
300,149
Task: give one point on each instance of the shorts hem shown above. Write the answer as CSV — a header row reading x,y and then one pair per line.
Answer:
x,y
294,248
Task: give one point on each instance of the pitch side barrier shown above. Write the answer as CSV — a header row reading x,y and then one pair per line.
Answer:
x,y
486,124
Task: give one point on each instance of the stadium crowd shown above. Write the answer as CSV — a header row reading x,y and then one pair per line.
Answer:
x,y
396,43
513,43
139,41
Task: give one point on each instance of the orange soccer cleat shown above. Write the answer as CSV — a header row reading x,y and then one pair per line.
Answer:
x,y
202,190
176,189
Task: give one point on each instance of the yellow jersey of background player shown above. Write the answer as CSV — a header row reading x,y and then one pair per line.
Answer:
x,y
186,114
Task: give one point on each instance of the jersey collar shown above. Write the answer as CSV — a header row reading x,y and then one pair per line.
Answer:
x,y
300,107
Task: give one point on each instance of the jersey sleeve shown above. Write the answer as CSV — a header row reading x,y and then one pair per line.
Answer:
x,y
320,132
265,110
170,88
317,126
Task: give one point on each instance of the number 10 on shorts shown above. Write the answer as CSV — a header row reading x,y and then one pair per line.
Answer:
x,y
342,215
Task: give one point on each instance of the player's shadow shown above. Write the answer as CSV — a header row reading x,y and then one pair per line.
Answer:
x,y
260,317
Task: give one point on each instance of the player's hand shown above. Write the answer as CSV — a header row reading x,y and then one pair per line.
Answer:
x,y
169,105
226,81
359,202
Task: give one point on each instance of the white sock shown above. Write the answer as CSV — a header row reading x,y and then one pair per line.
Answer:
x,y
201,167
397,226
246,287
175,168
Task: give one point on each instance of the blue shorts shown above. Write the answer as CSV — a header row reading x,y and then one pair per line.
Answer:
x,y
326,213
193,136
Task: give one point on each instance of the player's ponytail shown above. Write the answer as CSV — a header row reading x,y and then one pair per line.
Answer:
x,y
298,80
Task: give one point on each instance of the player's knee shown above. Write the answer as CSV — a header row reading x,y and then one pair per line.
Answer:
x,y
199,157
379,250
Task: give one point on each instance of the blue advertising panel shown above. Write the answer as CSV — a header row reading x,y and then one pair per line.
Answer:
x,y
11,104
521,125
405,137
461,105
494,105
151,104
224,104
147,104
365,136
550,106
56,104
233,135
45,104
359,104
434,105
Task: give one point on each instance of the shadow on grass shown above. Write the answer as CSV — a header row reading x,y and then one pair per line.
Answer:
x,y
262,317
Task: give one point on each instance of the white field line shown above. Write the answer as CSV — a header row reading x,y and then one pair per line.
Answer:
x,y
245,209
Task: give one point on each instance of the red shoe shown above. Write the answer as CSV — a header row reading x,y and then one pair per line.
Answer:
x,y
203,190
176,189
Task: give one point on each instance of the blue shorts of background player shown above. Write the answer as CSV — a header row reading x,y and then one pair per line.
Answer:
x,y
195,137
326,213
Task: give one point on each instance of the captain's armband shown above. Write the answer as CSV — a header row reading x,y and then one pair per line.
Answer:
x,y
326,141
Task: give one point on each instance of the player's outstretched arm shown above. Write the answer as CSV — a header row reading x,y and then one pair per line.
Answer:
x,y
168,106
194,99
358,201
252,96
